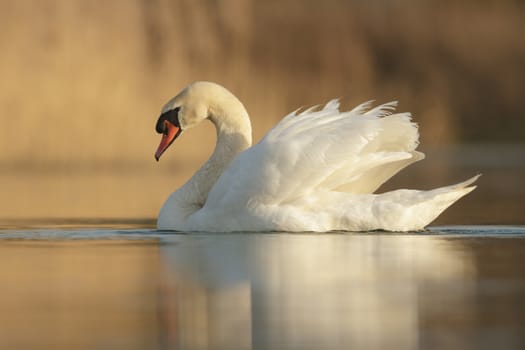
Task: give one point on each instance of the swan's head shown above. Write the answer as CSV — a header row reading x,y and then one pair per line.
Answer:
x,y
197,102
182,112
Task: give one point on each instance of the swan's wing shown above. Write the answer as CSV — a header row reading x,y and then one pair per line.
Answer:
x,y
321,149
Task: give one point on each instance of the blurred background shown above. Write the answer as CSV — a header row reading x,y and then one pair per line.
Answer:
x,y
82,84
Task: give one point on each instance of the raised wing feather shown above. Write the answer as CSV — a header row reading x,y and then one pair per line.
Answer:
x,y
318,150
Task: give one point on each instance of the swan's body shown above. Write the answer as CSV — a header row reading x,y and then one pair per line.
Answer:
x,y
314,171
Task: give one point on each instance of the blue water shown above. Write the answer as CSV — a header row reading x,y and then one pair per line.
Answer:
x,y
125,287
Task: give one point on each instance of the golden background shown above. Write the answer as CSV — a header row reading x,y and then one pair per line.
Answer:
x,y
82,83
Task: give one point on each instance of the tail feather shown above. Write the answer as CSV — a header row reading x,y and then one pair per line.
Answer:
x,y
457,188
443,197
465,183
417,209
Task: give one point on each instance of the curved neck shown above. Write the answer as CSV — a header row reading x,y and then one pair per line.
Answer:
x,y
233,136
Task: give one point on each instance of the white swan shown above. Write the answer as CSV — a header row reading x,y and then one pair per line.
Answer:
x,y
314,171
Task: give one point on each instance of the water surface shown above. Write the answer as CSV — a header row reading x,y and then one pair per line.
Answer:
x,y
132,287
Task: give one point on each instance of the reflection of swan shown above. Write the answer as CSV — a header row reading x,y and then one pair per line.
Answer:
x,y
314,171
296,291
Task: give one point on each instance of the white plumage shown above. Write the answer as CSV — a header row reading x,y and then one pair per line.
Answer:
x,y
314,171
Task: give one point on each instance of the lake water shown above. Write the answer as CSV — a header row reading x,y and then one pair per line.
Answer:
x,y
132,287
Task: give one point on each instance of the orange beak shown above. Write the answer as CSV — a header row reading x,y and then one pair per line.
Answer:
x,y
169,135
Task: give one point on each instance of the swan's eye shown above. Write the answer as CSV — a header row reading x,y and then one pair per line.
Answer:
x,y
171,116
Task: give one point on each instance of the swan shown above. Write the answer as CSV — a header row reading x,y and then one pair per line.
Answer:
x,y
316,170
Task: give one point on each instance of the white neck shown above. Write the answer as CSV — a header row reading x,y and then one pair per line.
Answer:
x,y
233,128
228,145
